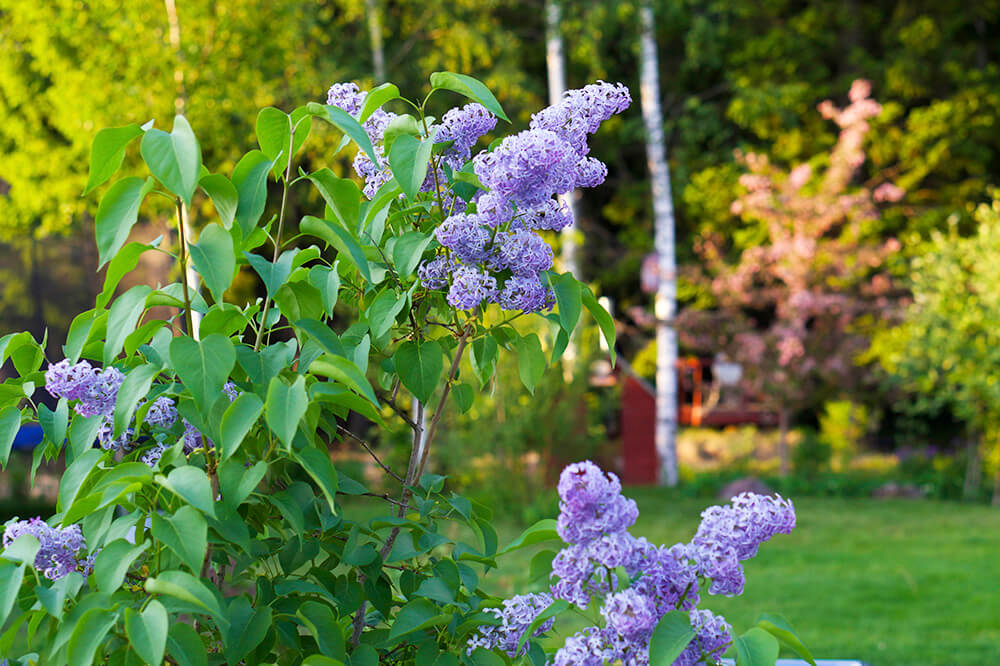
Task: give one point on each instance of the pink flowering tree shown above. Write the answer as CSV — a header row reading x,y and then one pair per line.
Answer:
x,y
791,308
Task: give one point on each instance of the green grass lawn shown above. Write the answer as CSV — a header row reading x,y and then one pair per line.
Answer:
x,y
890,582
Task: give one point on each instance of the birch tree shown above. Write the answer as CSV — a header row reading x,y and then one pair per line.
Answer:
x,y
663,242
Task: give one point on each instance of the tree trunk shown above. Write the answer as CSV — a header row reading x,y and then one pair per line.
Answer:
x,y
784,419
555,62
973,467
180,105
375,34
663,219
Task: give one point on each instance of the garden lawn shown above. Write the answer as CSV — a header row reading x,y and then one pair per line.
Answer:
x,y
889,582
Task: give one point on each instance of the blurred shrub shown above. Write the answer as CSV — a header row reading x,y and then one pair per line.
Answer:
x,y
843,426
813,453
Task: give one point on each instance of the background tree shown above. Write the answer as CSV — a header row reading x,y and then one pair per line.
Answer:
x,y
946,350
789,308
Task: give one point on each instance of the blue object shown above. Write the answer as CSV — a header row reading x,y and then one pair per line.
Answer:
x,y
28,437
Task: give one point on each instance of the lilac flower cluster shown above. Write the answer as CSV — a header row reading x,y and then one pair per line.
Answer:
x,y
62,550
594,520
515,617
494,254
96,391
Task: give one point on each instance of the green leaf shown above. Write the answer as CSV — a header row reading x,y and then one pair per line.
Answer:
x,y
107,153
339,238
756,647
341,195
186,533
22,550
11,576
408,159
463,395
88,634
10,423
247,628
343,121
327,281
299,300
122,319
237,421
121,264
320,660
322,624
113,562
483,358
223,318
224,197
414,616
274,133
419,365
672,634
80,330
408,250
471,88
250,179
214,259
54,598
376,97
75,476
543,530
117,214
381,314
203,366
402,125
273,275
147,632
347,373
319,466
569,299
483,657
779,627
184,586
364,655
135,387
186,647
175,158
603,319
530,361
237,481
191,484
285,406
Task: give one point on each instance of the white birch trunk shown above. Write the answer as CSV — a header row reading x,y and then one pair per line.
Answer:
x,y
375,33
555,62
663,217
180,102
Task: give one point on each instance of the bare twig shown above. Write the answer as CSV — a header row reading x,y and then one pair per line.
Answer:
x,y
371,452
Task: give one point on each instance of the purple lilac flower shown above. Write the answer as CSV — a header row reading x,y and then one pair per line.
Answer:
x,y
434,273
523,293
590,172
60,551
585,648
162,413
668,576
712,636
528,168
68,380
463,127
581,112
465,236
516,615
470,287
493,209
153,455
591,504
347,96
552,215
524,253
630,615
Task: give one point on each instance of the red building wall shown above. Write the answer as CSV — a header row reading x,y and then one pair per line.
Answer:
x,y
638,433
